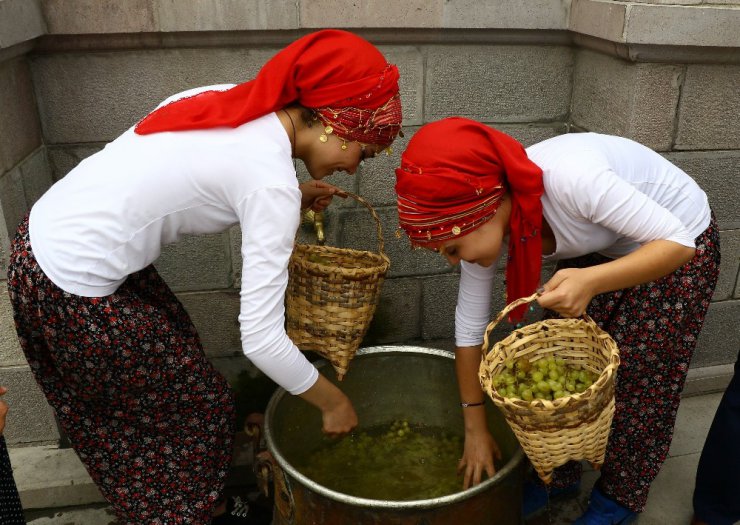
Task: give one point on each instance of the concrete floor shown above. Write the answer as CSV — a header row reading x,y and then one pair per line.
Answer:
x,y
669,502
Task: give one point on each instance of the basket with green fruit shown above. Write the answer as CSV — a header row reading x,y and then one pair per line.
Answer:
x,y
553,380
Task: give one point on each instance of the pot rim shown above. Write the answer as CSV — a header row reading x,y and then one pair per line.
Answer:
x,y
512,464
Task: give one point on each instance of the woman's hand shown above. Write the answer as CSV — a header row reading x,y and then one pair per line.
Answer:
x,y
3,410
337,413
568,292
478,454
317,195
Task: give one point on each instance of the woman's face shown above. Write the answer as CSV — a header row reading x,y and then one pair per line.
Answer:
x,y
325,158
482,246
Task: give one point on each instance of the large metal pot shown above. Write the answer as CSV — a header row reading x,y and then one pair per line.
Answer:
x,y
386,384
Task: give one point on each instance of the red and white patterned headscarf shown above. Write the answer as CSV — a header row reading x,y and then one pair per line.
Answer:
x,y
340,75
452,177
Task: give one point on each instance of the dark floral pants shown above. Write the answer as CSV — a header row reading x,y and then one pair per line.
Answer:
x,y
656,327
148,415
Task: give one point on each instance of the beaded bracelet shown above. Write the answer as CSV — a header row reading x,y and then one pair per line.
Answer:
x,y
466,405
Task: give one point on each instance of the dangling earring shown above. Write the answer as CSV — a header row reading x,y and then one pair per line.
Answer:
x,y
344,144
328,130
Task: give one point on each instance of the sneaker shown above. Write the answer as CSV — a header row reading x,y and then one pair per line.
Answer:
x,y
240,512
605,511
536,496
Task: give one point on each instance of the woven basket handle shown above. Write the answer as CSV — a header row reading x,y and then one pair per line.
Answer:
x,y
381,246
503,314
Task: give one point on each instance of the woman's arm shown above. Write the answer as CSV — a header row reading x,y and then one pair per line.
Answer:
x,y
338,415
480,447
570,290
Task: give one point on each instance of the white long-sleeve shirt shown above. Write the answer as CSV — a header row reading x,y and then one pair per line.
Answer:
x,y
603,194
110,216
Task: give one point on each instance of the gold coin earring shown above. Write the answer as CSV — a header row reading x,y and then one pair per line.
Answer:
x,y
328,130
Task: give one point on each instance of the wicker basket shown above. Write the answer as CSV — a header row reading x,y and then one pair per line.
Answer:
x,y
331,297
575,427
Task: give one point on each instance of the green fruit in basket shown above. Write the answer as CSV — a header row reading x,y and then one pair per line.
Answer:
x,y
547,378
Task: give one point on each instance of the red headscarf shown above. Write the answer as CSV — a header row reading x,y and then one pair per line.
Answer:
x,y
451,180
326,68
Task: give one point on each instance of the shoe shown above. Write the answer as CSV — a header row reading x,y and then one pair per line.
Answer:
x,y
536,497
605,511
240,512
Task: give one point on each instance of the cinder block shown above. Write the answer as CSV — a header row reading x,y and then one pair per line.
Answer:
x,y
729,267
63,158
529,134
710,104
12,199
225,15
501,84
708,379
197,262
49,477
600,19
80,17
20,132
410,62
719,336
214,315
20,21
338,13
25,398
506,14
636,101
232,366
377,177
10,350
674,2
358,231
4,248
670,25
235,252
94,97
387,326
717,174
439,297
36,176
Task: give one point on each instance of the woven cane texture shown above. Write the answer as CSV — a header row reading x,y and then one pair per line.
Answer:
x,y
332,295
574,427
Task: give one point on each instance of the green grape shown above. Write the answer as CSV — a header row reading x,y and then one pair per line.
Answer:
x,y
553,374
527,394
537,376
544,387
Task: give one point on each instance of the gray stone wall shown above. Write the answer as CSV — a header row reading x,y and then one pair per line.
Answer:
x,y
76,73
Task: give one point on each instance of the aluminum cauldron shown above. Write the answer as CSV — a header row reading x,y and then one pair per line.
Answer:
x,y
386,384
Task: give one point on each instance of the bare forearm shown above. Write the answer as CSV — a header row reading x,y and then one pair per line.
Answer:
x,y
467,363
323,394
648,263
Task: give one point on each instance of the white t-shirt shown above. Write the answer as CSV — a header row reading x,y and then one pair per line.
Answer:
x,y
110,216
603,194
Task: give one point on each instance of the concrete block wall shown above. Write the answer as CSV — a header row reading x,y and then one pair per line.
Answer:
x,y
76,73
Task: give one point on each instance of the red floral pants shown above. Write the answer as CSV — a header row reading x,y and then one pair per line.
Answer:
x,y
148,415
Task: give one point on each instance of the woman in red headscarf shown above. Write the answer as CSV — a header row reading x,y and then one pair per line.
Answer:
x,y
638,249
109,343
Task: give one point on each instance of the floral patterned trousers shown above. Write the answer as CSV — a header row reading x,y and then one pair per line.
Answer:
x,y
148,415
656,326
